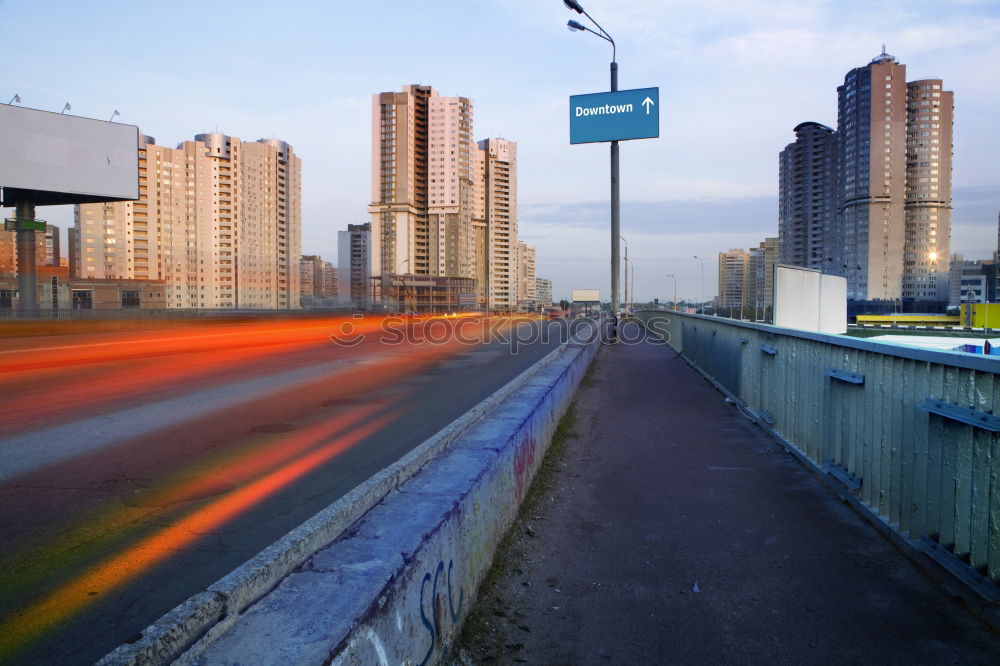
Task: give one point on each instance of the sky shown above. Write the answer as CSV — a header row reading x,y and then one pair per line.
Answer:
x,y
734,76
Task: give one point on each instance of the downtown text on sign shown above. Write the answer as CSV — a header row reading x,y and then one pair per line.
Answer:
x,y
615,116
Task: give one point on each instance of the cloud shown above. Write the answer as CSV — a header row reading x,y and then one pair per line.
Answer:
x,y
739,215
976,206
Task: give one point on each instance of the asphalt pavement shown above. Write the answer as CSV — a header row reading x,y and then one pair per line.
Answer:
x,y
674,530
138,468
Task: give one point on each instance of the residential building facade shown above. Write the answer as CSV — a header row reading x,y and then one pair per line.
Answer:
x,y
46,249
496,218
872,201
760,274
442,206
806,197
218,220
354,257
527,296
543,291
317,280
733,268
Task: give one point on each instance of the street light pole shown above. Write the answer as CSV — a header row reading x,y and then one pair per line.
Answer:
x,y
615,193
702,295
674,302
633,286
626,273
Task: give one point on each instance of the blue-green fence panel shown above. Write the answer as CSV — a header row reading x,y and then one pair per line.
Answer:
x,y
859,407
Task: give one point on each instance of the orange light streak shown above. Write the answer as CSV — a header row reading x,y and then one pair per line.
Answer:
x,y
227,470
185,358
119,569
40,383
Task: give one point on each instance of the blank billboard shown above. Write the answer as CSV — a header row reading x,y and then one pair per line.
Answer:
x,y
808,300
67,159
586,295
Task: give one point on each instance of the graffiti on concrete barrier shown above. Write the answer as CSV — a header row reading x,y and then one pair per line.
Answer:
x,y
434,624
524,462
437,608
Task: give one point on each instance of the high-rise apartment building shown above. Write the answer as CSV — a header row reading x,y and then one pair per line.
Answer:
x,y
760,274
806,200
354,257
526,295
887,228
422,173
496,224
871,125
927,210
317,279
543,291
46,249
442,206
218,219
733,267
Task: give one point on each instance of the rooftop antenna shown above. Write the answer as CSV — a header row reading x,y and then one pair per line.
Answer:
x,y
15,98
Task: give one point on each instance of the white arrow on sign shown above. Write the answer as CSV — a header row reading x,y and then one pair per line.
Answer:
x,y
648,103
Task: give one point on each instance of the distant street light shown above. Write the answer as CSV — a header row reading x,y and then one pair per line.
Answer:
x,y
674,302
15,98
626,269
575,26
66,108
702,296
633,286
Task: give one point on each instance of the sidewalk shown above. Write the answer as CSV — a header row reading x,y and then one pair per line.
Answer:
x,y
674,531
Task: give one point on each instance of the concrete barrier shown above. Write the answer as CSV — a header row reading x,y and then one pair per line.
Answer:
x,y
387,574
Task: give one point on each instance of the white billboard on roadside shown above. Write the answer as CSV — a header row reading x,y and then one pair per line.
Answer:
x,y
62,159
808,300
586,295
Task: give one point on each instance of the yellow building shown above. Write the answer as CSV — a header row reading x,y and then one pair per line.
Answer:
x,y
910,320
983,315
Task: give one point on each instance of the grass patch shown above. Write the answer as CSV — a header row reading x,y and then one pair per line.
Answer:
x,y
482,630
587,381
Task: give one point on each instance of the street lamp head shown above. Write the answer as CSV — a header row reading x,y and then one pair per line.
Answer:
x,y
574,5
574,26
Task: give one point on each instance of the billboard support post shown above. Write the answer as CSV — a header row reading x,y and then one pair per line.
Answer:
x,y
26,268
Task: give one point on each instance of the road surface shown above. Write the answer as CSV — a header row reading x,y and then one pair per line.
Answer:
x,y
139,467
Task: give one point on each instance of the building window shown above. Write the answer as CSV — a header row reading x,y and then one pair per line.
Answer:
x,y
130,299
83,299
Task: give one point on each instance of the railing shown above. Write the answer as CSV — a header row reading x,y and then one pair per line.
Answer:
x,y
912,434
13,314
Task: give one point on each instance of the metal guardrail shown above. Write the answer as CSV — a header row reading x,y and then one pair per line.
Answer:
x,y
116,314
910,433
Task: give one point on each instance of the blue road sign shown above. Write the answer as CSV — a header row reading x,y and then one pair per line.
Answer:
x,y
615,116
